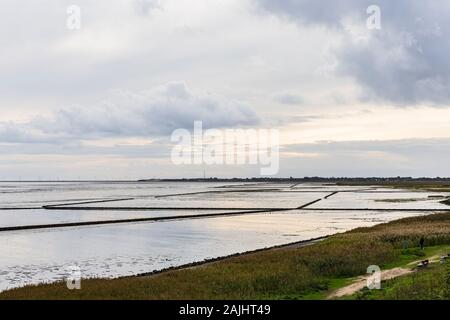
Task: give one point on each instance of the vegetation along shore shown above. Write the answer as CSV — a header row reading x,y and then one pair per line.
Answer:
x,y
330,269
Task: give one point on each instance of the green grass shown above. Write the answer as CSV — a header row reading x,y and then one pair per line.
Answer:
x,y
438,186
308,272
432,283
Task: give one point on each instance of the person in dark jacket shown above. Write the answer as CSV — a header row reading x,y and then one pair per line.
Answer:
x,y
422,243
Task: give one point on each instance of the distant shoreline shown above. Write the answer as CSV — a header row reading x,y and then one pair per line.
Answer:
x,y
364,180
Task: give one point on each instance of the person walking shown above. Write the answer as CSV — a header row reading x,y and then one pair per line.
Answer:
x,y
422,243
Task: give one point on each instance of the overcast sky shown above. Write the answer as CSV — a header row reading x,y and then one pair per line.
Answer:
x,y
101,102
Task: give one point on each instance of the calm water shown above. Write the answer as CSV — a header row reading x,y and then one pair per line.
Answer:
x,y
34,256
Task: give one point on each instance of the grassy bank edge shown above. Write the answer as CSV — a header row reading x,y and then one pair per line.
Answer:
x,y
295,271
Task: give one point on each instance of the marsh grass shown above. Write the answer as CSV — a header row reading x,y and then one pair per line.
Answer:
x,y
430,284
286,273
438,186
401,200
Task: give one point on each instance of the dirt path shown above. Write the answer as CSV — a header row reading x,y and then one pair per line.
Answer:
x,y
432,259
361,282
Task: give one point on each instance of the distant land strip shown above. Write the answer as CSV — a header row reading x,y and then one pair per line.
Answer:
x,y
218,191
159,208
50,206
19,208
331,194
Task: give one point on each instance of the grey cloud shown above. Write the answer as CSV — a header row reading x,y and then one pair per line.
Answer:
x,y
11,132
147,6
157,149
409,157
404,63
156,112
329,12
289,99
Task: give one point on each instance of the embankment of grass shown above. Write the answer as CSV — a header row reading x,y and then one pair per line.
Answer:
x,y
437,186
308,272
432,283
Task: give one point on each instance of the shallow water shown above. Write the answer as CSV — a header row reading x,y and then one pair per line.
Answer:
x,y
19,195
35,256
384,200
213,199
35,217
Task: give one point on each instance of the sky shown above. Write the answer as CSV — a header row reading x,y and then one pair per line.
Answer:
x,y
102,98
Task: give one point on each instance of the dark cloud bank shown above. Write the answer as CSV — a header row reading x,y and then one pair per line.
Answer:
x,y
405,63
